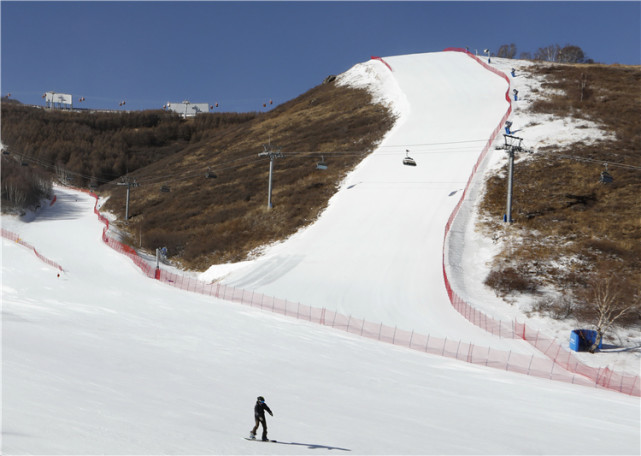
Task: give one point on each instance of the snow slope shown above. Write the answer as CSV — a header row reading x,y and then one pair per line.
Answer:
x,y
102,360
375,253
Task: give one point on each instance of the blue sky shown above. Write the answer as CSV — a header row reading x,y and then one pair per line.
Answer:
x,y
242,54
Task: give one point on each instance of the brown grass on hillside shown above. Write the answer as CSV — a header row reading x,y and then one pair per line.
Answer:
x,y
569,222
209,221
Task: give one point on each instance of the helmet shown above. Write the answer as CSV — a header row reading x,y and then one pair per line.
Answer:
x,y
260,399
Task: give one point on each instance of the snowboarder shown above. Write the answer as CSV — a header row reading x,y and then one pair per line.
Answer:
x,y
259,416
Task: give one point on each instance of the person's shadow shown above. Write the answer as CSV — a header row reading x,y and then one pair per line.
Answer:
x,y
313,446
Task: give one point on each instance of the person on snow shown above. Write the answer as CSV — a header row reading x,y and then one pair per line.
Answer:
x,y
259,416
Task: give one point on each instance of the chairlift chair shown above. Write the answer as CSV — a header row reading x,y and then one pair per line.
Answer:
x,y
409,161
606,177
165,189
210,174
321,164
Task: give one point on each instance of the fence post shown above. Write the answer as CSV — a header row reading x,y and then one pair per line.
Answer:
x,y
621,384
379,331
633,385
362,326
348,320
530,365
552,369
596,379
507,364
444,343
557,354
427,343
457,349
394,336
411,337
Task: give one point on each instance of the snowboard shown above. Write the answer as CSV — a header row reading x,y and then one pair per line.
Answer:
x,y
260,440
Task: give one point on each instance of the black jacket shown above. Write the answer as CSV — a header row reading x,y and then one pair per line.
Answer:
x,y
259,410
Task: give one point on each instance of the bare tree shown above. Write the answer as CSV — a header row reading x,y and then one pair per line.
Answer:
x,y
584,86
549,53
608,297
507,51
566,54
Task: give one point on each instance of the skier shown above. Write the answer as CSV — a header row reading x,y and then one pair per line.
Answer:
x,y
259,416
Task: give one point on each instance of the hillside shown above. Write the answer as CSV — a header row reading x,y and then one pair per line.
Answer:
x,y
570,227
92,147
87,148
203,221
567,223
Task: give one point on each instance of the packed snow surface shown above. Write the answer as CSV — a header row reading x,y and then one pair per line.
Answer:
x,y
102,360
376,252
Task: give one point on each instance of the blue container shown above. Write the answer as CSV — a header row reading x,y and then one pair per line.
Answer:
x,y
582,339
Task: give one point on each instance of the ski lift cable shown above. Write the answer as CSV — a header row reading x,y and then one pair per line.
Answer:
x,y
233,164
222,166
191,174
433,144
177,174
357,153
190,171
396,146
51,166
592,160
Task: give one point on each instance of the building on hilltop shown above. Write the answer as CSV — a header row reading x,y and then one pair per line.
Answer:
x,y
55,100
187,109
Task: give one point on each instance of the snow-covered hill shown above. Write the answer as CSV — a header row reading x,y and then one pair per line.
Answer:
x,y
103,360
376,252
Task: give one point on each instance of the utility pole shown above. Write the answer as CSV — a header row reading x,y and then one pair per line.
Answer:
x,y
512,145
129,184
268,152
